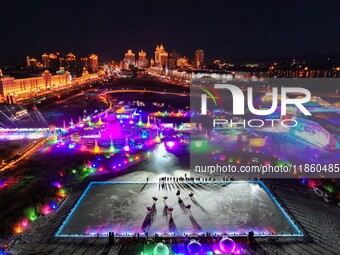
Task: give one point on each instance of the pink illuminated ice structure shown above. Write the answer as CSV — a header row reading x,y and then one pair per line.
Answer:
x,y
170,144
113,128
154,125
227,245
83,147
45,209
126,146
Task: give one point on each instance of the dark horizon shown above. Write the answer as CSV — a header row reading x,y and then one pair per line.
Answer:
x,y
242,30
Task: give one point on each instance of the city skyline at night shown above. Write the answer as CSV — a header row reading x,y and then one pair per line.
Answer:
x,y
233,30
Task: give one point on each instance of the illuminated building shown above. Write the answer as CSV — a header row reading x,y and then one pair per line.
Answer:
x,y
85,62
45,60
33,62
199,58
70,60
93,63
129,59
174,56
53,60
16,87
85,73
28,63
62,61
142,60
161,56
6,84
142,55
183,62
70,57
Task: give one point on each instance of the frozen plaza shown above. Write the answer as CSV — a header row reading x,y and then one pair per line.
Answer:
x,y
215,207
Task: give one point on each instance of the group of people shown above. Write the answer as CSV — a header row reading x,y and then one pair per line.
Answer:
x,y
166,179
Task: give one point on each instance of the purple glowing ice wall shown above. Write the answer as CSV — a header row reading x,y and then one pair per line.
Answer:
x,y
113,128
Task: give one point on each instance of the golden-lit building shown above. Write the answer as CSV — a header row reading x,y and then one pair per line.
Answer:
x,y
183,62
17,87
161,56
129,60
53,60
45,60
33,62
85,62
172,62
199,58
70,57
28,63
93,63
142,60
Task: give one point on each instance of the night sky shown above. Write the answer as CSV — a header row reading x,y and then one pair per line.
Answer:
x,y
243,29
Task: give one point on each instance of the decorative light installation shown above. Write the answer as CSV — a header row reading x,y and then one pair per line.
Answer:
x,y
157,138
100,122
227,245
257,142
31,214
148,123
140,122
194,247
161,249
45,209
112,148
198,145
96,147
126,146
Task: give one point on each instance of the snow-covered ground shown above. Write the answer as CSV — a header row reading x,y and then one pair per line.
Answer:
x,y
235,207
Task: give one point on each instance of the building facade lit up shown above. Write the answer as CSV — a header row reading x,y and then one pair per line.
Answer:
x,y
93,65
142,60
129,59
161,56
10,86
199,58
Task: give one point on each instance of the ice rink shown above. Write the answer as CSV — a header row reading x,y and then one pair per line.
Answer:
x,y
223,207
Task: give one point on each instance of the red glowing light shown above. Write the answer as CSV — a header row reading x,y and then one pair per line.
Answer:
x,y
45,209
